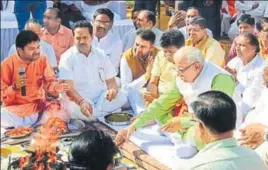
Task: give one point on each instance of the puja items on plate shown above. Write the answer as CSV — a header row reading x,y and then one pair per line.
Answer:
x,y
54,125
20,132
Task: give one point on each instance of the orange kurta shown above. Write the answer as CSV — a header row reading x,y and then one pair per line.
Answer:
x,y
39,76
61,41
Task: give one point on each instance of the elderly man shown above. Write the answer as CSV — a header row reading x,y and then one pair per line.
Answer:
x,y
91,77
136,63
162,73
46,49
211,48
59,36
246,23
104,38
145,20
221,149
192,71
25,76
245,68
191,13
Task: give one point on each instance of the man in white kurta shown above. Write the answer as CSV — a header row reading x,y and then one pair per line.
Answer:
x,y
145,20
93,91
254,8
246,67
105,39
46,49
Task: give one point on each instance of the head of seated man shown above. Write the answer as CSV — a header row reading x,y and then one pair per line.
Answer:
x,y
246,23
94,150
171,41
144,44
146,19
188,63
134,16
191,13
52,20
197,29
103,19
247,47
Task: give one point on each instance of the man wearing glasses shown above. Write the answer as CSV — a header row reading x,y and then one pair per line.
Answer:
x,y
104,38
198,37
194,76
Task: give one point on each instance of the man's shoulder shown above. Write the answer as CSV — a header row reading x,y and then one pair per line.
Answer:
x,y
8,60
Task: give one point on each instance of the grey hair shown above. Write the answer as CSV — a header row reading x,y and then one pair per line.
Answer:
x,y
31,21
193,54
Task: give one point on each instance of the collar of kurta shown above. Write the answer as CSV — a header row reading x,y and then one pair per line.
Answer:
x,y
223,143
251,63
60,31
75,51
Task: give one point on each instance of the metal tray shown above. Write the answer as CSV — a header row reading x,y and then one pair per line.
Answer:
x,y
108,119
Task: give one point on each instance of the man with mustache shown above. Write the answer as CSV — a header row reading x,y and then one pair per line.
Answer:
x,y
145,20
91,77
59,36
104,38
26,68
198,37
194,76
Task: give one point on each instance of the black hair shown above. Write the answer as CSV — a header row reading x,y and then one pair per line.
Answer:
x,y
246,18
104,11
93,149
146,34
58,12
150,16
199,21
172,38
135,10
31,21
253,40
83,24
261,23
194,9
216,110
25,37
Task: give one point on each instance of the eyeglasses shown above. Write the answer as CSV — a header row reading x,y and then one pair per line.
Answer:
x,y
181,71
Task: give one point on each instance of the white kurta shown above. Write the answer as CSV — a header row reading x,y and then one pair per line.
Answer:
x,y
46,49
89,75
185,34
127,81
112,46
249,81
129,38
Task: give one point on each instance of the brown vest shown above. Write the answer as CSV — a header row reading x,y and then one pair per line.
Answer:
x,y
95,2
137,66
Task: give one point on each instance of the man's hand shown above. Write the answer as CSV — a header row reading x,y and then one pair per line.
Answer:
x,y
172,125
86,108
149,67
176,18
148,97
231,71
61,87
124,135
252,135
111,94
21,81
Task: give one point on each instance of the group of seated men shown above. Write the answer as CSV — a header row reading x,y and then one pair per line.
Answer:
x,y
158,81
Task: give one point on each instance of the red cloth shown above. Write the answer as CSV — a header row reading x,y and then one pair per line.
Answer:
x,y
180,108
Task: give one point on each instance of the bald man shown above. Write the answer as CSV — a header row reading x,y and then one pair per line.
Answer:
x,y
194,76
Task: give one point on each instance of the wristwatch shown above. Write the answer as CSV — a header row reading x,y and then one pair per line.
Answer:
x,y
265,135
